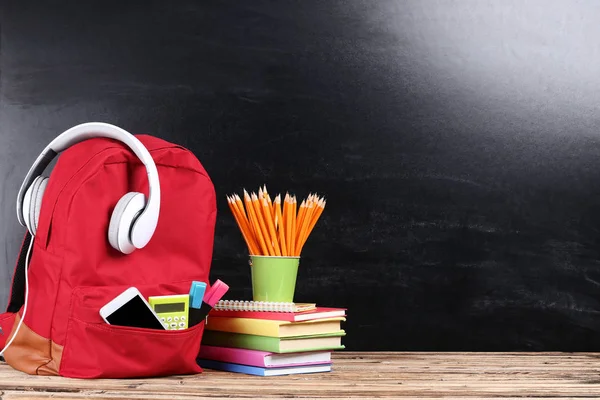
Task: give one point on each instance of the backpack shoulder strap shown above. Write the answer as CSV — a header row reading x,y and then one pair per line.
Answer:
x,y
17,291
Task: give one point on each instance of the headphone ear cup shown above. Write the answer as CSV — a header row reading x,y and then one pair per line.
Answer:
x,y
121,221
26,208
37,202
32,203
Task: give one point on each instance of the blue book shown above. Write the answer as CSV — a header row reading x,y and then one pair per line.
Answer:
x,y
250,370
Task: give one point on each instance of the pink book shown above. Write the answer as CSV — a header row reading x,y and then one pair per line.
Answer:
x,y
263,358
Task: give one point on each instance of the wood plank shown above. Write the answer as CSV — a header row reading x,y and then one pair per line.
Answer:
x,y
473,376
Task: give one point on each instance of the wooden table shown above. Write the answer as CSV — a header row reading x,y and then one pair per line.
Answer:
x,y
356,375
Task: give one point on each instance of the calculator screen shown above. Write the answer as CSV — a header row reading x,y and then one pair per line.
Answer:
x,y
169,307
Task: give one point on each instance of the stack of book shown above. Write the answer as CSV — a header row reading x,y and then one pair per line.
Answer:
x,y
269,340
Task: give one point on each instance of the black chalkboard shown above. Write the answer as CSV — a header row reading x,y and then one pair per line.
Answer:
x,y
457,144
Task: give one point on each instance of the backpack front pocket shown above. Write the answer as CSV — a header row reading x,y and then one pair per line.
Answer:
x,y
95,349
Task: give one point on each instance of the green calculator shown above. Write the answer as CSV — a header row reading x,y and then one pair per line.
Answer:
x,y
171,310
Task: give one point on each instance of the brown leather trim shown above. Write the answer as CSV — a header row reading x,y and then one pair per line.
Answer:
x,y
52,367
32,353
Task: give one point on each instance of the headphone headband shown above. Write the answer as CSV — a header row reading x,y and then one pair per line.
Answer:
x,y
145,224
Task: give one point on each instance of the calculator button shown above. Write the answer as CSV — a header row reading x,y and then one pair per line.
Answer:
x,y
166,326
176,319
173,325
183,318
162,319
182,324
169,319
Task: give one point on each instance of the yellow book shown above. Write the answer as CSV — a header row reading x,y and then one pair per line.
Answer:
x,y
273,328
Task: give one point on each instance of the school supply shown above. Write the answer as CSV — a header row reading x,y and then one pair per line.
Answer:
x,y
246,369
131,309
317,313
272,328
212,296
266,306
197,294
272,230
172,310
263,359
85,232
269,340
328,341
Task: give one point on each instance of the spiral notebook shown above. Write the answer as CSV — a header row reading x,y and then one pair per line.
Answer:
x,y
263,306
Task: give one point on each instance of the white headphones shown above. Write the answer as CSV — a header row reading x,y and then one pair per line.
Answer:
x,y
133,220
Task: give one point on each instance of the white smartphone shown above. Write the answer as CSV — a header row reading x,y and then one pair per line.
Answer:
x,y
130,309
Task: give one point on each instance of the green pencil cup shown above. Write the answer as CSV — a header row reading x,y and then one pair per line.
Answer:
x,y
274,278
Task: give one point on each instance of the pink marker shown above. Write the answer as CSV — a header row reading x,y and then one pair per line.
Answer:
x,y
211,297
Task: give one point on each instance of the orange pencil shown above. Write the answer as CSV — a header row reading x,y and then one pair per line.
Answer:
x,y
287,212
281,230
262,225
236,211
261,194
245,234
287,222
312,207
315,217
304,227
251,220
245,225
252,223
266,196
240,206
301,214
271,208
319,211
294,223
235,215
255,223
270,226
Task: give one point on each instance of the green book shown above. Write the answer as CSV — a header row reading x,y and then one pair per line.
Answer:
x,y
295,344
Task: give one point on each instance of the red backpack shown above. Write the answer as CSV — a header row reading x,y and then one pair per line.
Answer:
x,y
74,269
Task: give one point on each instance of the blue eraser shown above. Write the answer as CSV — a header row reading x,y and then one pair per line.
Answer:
x,y
197,294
